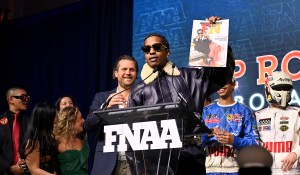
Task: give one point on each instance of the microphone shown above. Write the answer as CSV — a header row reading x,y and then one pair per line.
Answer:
x,y
180,96
105,104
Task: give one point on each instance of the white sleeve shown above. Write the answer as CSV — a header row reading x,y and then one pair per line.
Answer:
x,y
296,148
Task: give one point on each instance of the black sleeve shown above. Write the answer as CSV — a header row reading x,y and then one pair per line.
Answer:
x,y
92,120
221,75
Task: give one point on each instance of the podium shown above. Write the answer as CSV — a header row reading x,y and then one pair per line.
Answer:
x,y
154,161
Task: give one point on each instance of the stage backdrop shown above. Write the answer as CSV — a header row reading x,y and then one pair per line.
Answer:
x,y
264,35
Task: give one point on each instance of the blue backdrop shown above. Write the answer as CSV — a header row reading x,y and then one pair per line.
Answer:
x,y
71,49
261,33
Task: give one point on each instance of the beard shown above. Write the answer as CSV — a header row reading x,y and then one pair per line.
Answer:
x,y
126,84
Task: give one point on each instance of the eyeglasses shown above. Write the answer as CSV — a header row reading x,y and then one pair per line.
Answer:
x,y
157,48
199,33
22,97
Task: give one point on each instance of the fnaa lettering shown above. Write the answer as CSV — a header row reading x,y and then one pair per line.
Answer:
x,y
145,136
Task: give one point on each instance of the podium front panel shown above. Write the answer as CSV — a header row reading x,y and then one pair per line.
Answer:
x,y
155,161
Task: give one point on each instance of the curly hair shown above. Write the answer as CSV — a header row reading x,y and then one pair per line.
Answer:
x,y
66,119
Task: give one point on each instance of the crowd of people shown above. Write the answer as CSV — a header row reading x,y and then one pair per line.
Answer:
x,y
53,140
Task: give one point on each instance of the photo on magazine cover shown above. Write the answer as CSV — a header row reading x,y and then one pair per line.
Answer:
x,y
209,44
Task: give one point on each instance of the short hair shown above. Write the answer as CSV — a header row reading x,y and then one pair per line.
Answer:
x,y
164,41
124,57
11,91
57,103
199,30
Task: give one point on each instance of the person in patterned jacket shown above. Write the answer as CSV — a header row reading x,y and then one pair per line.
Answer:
x,y
279,124
234,127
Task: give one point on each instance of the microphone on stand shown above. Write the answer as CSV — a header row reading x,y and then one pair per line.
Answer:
x,y
180,96
105,104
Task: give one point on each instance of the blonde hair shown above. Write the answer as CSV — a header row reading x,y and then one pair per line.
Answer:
x,y
66,119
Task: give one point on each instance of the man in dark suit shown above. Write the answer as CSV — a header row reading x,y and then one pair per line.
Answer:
x,y
10,160
125,73
202,42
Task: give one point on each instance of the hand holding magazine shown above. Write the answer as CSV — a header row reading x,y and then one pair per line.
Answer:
x,y
209,43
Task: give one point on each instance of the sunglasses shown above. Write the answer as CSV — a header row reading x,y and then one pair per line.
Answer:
x,y
282,87
157,48
23,97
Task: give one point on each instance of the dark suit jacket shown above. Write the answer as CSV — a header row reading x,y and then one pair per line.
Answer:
x,y
202,46
6,144
104,163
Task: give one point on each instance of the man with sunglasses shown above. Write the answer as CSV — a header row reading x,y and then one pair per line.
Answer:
x,y
11,162
202,42
170,83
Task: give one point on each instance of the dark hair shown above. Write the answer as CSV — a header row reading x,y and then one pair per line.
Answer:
x,y
12,90
163,39
199,30
57,103
124,57
40,129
